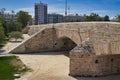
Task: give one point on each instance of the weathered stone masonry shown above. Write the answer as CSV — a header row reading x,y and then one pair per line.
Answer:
x,y
101,56
97,45
84,62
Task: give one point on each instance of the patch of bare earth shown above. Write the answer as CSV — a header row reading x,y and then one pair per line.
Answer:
x,y
47,66
52,66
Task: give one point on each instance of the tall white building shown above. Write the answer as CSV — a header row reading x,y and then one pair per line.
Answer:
x,y
40,13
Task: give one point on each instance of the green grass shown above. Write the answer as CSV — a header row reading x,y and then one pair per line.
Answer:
x,y
9,66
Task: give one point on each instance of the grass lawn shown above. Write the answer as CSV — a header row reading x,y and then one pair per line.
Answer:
x,y
10,65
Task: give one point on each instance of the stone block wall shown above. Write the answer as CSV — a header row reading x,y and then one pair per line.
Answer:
x,y
85,62
99,55
46,40
89,65
106,38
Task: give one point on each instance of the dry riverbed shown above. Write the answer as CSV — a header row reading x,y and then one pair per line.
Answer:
x,y
52,66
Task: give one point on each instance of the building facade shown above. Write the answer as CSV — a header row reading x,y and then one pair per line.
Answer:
x,y
9,17
74,18
55,18
40,13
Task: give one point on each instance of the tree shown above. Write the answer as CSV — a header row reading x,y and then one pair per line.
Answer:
x,y
106,18
117,18
24,18
78,20
13,26
18,26
2,34
3,24
93,17
16,35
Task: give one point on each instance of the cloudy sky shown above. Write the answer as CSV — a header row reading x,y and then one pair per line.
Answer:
x,y
102,7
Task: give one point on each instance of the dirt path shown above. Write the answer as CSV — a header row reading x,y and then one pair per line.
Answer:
x,y
52,66
12,44
48,66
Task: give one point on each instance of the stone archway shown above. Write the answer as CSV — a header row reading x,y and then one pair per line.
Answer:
x,y
66,44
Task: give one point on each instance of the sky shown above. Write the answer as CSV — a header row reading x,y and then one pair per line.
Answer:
x,y
101,7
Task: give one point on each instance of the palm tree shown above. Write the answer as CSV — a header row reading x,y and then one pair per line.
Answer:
x,y
2,11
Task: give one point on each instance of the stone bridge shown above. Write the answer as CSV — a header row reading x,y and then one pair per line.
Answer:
x,y
96,45
65,36
54,37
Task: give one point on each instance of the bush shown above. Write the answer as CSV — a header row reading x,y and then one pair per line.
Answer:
x,y
16,35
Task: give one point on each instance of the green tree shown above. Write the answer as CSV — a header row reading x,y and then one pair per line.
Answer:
x,y
106,18
16,35
93,17
13,26
117,18
24,18
78,20
2,34
18,26
3,23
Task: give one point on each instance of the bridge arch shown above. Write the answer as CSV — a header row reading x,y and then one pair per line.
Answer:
x,y
74,35
65,43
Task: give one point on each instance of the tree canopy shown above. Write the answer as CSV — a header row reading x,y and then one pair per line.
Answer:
x,y
96,17
2,34
13,26
24,18
117,18
16,35
93,17
106,18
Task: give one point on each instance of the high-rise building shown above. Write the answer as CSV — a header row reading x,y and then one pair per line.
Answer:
x,y
40,13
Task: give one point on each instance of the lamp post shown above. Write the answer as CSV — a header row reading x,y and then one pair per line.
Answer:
x,y
65,11
66,7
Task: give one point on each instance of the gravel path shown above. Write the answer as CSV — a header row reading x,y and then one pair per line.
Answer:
x,y
52,66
